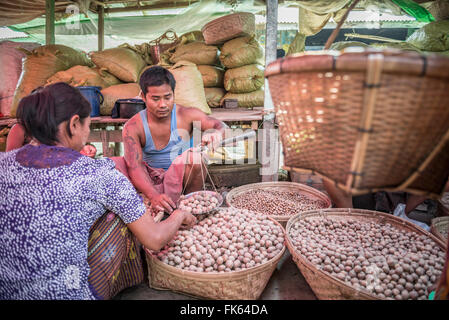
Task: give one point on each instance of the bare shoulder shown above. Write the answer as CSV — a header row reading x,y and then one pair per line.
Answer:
x,y
190,113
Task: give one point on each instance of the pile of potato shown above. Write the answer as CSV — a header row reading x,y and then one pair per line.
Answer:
x,y
230,240
379,258
276,202
199,202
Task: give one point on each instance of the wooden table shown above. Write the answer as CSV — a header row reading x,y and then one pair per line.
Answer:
x,y
109,130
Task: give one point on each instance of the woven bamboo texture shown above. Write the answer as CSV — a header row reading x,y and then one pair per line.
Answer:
x,y
366,120
246,284
440,228
229,27
279,186
325,286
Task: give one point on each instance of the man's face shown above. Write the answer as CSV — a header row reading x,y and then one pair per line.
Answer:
x,y
159,100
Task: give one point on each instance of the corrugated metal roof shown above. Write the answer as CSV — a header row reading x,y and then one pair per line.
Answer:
x,y
372,16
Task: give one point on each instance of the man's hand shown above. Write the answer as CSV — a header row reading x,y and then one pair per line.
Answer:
x,y
163,202
212,139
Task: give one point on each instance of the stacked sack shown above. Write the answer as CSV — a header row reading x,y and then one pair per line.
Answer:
x,y
208,65
42,63
11,55
244,76
125,63
195,67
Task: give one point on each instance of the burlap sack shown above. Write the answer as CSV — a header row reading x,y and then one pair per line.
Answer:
x,y
240,52
10,70
189,90
297,45
123,63
43,62
119,91
246,100
244,79
78,76
196,52
214,96
107,77
433,36
191,36
212,76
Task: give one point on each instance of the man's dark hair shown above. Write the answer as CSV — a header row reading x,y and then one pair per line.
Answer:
x,y
41,112
156,76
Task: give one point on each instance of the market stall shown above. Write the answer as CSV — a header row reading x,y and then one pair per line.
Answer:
x,y
340,116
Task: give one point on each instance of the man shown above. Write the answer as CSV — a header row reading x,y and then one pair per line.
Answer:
x,y
158,157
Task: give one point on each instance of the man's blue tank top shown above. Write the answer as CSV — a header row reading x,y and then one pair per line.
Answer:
x,y
164,157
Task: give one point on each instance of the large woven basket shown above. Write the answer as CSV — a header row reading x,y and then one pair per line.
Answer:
x,y
366,120
279,186
246,284
229,27
325,286
440,227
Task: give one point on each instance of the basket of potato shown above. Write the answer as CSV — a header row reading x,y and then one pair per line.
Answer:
x,y
228,255
361,254
278,200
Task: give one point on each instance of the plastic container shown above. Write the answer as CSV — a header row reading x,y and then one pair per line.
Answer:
x,y
94,96
129,107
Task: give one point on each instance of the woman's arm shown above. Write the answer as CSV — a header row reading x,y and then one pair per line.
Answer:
x,y
155,236
16,137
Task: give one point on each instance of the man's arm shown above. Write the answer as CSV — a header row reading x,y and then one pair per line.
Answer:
x,y
214,130
137,171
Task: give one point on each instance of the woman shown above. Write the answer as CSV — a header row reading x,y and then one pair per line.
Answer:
x,y
51,195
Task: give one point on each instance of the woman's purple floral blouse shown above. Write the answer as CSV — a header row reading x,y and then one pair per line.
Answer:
x,y
49,198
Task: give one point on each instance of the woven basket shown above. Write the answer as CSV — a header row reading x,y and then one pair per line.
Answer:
x,y
325,286
440,228
246,284
229,27
366,120
279,186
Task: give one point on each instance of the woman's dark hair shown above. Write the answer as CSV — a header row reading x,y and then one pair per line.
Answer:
x,y
156,76
41,112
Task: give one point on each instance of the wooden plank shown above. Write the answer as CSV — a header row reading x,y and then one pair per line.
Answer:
x,y
49,22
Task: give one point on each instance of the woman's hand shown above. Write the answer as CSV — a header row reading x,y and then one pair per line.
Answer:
x,y
189,220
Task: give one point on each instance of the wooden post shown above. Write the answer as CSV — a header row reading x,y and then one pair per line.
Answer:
x,y
100,10
270,149
49,22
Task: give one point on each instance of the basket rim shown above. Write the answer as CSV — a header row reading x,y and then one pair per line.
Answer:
x,y
388,218
361,191
440,220
195,275
397,61
261,185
